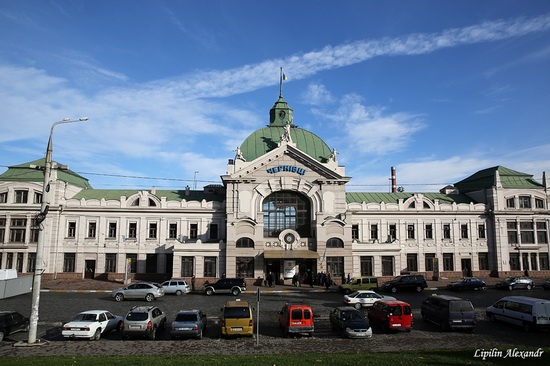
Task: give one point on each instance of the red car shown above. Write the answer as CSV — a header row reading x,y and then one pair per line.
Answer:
x,y
391,314
296,319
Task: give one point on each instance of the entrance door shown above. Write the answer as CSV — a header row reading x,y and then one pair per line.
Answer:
x,y
89,271
466,264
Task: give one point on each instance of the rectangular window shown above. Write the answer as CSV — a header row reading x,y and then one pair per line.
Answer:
x,y
92,229
4,197
112,230
374,231
524,202
393,232
539,203
542,236
410,231
354,232
429,231
9,261
527,232
245,267
69,260
188,267
429,261
512,232
412,262
35,229
213,231
544,262
510,202
481,231
18,228
514,262
173,230
387,266
367,266
210,265
21,196
152,230
193,231
110,262
31,262
132,230
534,261
464,231
132,258
448,262
37,197
483,261
19,263
2,231
335,266
71,229
446,231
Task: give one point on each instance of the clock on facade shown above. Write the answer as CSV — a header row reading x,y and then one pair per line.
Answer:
x,y
289,238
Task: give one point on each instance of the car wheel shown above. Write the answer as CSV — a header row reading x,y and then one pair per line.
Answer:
x,y
1,336
200,335
209,291
153,334
235,292
394,290
418,288
149,297
178,292
529,287
118,326
119,297
491,317
357,305
424,317
96,335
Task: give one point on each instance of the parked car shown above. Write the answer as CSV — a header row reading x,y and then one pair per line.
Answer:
x,y
449,312
350,322
296,319
143,321
413,282
391,314
546,284
366,298
141,290
236,318
528,312
359,283
467,283
512,283
188,323
176,287
12,322
91,324
232,286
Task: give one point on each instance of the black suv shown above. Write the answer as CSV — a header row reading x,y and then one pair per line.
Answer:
x,y
232,286
414,282
12,322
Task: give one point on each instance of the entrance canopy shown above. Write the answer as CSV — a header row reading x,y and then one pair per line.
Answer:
x,y
290,254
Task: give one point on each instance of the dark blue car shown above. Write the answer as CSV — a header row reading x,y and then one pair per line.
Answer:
x,y
467,283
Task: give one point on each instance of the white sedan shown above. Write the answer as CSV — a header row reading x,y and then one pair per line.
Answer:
x,y
91,324
361,298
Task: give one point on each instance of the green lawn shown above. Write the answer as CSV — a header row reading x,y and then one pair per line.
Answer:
x,y
447,358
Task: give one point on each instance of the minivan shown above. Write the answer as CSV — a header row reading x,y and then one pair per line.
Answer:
x,y
236,318
296,319
391,314
359,283
449,312
528,312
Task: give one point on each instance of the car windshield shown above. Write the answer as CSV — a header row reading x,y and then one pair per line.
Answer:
x,y
136,316
85,318
237,312
461,306
186,317
352,315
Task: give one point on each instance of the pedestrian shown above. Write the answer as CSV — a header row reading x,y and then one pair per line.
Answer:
x,y
328,281
193,283
270,279
349,277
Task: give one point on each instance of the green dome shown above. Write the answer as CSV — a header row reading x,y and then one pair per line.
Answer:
x,y
268,138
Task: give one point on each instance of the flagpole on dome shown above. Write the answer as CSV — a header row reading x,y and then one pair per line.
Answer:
x,y
281,78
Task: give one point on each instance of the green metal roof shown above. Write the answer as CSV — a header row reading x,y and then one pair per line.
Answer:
x,y
485,179
378,197
171,195
266,139
24,173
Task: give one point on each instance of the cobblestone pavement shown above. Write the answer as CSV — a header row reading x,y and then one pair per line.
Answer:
x,y
420,338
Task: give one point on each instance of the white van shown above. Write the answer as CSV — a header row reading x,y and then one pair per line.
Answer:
x,y
528,312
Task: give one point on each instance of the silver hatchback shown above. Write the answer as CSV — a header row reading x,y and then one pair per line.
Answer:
x,y
141,290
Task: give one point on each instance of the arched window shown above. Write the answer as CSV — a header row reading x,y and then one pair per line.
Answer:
x,y
245,243
335,243
286,210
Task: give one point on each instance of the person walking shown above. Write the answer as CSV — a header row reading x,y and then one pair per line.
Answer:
x,y
328,281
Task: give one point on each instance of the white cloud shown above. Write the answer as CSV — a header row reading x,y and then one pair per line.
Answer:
x,y
316,94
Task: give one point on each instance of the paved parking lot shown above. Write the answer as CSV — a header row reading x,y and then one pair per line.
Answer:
x,y
59,307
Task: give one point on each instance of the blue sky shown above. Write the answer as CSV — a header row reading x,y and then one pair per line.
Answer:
x,y
438,89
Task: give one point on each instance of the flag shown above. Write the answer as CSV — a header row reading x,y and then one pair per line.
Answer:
x,y
284,77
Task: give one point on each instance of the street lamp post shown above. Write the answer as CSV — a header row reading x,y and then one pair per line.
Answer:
x,y
38,270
